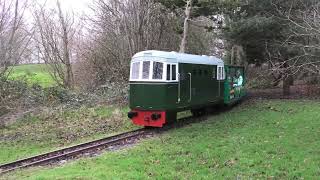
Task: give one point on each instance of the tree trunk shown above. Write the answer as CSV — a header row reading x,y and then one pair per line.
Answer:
x,y
186,27
286,86
232,55
287,81
66,55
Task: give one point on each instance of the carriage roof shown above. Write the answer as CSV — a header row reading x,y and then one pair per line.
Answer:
x,y
175,57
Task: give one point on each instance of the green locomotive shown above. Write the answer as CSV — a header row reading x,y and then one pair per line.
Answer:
x,y
165,83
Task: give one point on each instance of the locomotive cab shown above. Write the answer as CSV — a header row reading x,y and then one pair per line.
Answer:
x,y
153,89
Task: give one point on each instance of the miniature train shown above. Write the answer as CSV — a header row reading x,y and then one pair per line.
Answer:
x,y
165,83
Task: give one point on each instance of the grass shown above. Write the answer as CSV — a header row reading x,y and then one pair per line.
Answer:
x,y
51,129
56,125
33,74
256,140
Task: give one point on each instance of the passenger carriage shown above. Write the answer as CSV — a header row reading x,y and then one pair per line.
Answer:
x,y
164,83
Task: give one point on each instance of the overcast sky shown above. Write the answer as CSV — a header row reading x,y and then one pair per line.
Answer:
x,y
78,7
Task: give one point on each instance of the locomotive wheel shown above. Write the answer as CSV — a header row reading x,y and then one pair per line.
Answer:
x,y
195,113
198,112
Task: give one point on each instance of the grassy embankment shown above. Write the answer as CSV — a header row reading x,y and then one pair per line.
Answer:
x,y
263,139
39,133
33,74
58,126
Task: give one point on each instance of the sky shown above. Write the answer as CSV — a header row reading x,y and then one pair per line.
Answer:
x,y
78,7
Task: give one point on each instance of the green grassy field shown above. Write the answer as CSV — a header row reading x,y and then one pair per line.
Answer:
x,y
255,140
33,74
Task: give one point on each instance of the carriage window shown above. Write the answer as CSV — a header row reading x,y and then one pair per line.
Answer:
x,y
145,69
168,72
135,70
157,70
174,72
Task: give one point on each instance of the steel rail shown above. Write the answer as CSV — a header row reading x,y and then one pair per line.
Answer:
x,y
71,151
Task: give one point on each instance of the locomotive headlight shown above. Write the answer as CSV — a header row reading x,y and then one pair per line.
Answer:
x,y
132,114
155,116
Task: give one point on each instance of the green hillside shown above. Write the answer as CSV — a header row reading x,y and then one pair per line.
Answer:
x,y
33,74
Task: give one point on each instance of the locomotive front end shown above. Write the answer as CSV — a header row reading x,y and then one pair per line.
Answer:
x,y
153,89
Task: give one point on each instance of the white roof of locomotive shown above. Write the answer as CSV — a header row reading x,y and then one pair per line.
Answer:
x,y
175,57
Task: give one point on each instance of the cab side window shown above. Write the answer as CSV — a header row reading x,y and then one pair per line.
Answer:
x,y
168,72
220,74
174,72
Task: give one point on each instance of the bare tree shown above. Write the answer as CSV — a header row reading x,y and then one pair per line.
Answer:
x,y
55,33
305,36
300,52
14,36
118,30
186,26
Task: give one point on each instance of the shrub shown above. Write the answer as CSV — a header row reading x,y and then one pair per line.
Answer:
x,y
11,90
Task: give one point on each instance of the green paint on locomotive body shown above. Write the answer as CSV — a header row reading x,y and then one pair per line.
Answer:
x,y
231,94
205,88
199,87
153,95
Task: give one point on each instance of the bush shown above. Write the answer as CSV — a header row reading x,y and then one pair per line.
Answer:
x,y
113,91
11,90
259,78
13,93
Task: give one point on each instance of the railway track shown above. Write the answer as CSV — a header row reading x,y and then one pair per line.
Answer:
x,y
76,150
96,145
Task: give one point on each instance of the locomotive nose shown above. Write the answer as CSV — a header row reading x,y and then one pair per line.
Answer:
x,y
132,114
